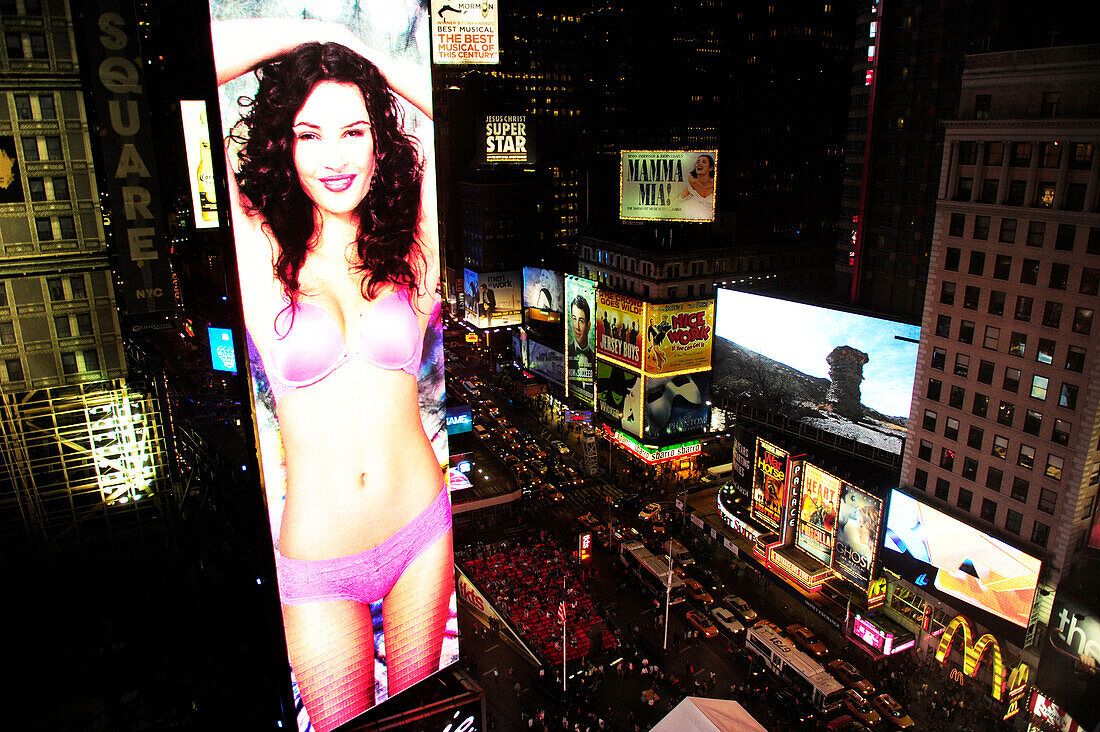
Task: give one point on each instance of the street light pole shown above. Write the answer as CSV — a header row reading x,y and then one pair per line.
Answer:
x,y
668,591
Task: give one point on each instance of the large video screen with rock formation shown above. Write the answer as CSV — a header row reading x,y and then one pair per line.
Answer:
x,y
845,374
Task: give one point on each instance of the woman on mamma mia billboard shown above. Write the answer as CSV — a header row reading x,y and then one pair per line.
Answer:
x,y
333,204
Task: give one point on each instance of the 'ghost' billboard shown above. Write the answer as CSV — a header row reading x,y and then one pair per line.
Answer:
x,y
676,406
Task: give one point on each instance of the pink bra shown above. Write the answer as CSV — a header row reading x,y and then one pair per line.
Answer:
x,y
309,345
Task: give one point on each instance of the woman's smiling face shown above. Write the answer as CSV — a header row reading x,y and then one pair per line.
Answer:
x,y
333,148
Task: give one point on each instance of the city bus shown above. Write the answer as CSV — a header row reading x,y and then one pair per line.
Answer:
x,y
653,571
793,666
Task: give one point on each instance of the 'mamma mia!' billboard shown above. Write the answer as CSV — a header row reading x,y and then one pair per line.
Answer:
x,y
667,185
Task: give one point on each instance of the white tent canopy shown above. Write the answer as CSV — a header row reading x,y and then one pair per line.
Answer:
x,y
696,714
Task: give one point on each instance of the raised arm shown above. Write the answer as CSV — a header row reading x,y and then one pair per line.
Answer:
x,y
242,45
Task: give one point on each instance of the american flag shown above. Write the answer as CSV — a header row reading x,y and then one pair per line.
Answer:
x,y
561,612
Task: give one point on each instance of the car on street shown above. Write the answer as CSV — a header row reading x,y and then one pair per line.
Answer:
x,y
570,477
889,709
621,533
560,446
739,606
650,512
658,526
859,707
727,620
697,592
791,706
589,521
848,674
701,623
805,639
537,467
538,451
710,579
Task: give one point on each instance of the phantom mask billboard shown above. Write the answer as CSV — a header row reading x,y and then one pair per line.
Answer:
x,y
848,375
667,185
346,362
769,483
959,560
676,406
580,337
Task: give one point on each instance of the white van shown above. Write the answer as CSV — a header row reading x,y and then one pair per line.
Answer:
x,y
680,554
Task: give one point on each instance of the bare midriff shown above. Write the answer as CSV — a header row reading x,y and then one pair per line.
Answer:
x,y
358,464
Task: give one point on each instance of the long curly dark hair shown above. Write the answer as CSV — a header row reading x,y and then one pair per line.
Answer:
x,y
388,214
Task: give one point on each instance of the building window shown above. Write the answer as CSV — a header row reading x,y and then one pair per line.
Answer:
x,y
1016,191
56,288
1039,386
1081,158
1065,237
1029,275
951,259
989,511
970,469
1013,521
965,190
1040,533
1052,314
1075,197
974,437
1017,344
61,325
947,293
1049,107
1044,195
934,388
1068,396
37,187
1090,281
982,103
968,152
985,372
947,459
1075,359
1005,413
1060,434
13,368
1021,154
91,359
929,422
1000,447
966,332
951,429
1023,308
1054,467
943,489
1050,155
996,302
992,337
943,326
68,363
958,225
989,191
981,227
1012,380
962,364
53,147
67,226
971,296
1082,320
1036,233
924,452
44,228
994,151
993,479
939,358
1007,235
920,479
1026,457
981,405
1045,353
1020,489
1002,267
958,394
84,324
1059,276
1048,499
1033,422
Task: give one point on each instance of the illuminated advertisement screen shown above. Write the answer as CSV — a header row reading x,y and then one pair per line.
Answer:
x,y
464,32
619,397
1047,716
11,182
1070,652
679,337
858,522
222,355
619,322
817,513
509,140
769,483
546,362
848,375
543,294
959,560
744,446
667,185
460,420
354,456
676,406
580,337
493,299
200,165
